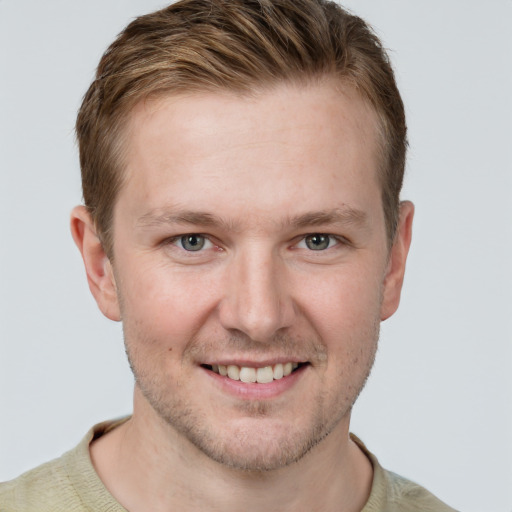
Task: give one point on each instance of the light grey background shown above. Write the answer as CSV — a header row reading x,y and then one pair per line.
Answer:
x,y
438,405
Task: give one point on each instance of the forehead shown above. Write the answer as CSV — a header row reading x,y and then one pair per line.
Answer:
x,y
338,105
268,150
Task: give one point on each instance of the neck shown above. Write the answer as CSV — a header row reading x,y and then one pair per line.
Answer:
x,y
147,465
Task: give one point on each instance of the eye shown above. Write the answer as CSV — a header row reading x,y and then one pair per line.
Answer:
x,y
193,242
318,242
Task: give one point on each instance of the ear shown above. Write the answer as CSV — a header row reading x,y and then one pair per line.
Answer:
x,y
97,265
394,277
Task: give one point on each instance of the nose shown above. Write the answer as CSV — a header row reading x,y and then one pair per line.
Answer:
x,y
257,299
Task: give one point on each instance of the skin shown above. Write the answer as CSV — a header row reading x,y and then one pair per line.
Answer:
x,y
255,177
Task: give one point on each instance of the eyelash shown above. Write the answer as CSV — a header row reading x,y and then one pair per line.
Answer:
x,y
181,239
330,238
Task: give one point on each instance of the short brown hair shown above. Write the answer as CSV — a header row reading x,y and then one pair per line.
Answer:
x,y
237,45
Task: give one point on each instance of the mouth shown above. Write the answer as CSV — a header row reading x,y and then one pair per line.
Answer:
x,y
249,374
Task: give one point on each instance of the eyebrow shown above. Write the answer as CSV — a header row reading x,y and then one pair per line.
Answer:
x,y
344,215
337,216
159,218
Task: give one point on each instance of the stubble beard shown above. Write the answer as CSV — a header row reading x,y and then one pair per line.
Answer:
x,y
248,449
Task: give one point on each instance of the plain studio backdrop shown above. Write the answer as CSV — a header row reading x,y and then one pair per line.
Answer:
x,y
437,407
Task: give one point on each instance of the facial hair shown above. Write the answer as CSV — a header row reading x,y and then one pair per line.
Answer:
x,y
257,443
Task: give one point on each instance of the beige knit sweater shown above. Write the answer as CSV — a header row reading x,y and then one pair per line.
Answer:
x,y
70,484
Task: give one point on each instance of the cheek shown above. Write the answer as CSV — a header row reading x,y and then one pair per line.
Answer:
x,y
164,306
348,297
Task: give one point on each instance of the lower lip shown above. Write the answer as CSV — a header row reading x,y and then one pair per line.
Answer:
x,y
253,390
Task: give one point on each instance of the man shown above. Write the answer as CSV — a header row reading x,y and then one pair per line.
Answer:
x,y
241,168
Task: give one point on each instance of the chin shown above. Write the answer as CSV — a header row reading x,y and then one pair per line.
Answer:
x,y
256,448
251,443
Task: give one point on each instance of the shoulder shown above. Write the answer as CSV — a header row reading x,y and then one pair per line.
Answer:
x,y
41,489
393,493
66,484
403,494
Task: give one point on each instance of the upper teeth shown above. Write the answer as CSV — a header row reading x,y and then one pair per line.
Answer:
x,y
260,375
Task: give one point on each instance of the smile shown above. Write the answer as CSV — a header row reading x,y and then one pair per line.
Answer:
x,y
254,375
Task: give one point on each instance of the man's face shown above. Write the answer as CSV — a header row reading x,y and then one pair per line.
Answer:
x,y
250,234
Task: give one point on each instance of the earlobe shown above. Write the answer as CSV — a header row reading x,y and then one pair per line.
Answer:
x,y
397,259
99,271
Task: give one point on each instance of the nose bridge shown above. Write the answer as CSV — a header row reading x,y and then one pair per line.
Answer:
x,y
257,301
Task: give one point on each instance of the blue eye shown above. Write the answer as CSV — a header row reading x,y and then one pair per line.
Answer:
x,y
192,242
318,241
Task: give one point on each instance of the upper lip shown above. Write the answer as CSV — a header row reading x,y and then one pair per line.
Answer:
x,y
252,363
